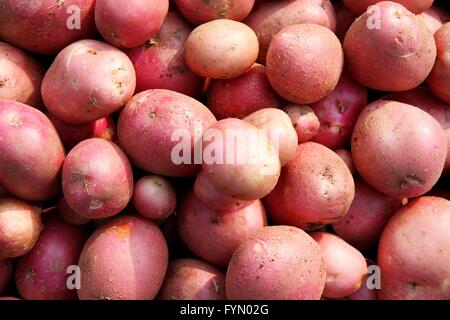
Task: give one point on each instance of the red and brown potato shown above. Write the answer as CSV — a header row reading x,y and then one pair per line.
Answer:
x,y
413,253
31,153
42,274
358,7
124,259
304,62
435,17
315,189
398,149
221,49
97,179
20,226
6,272
439,78
271,16
158,130
276,263
159,63
240,96
215,235
69,215
396,53
75,94
304,120
347,157
190,279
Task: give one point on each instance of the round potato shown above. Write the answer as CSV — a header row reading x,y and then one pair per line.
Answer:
x,y
304,120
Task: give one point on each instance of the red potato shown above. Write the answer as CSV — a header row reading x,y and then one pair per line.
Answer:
x,y
154,197
69,215
20,226
6,272
240,96
386,57
344,19
271,16
126,258
97,179
41,274
439,78
398,149
75,94
304,120
46,26
315,189
31,153
435,17
190,279
413,253
296,65
276,263
221,49
215,235
358,7
159,63
158,130
347,157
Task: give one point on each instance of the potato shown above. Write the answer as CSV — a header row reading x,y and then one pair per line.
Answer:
x,y
344,19
315,189
221,49
439,78
240,96
75,94
214,235
304,120
396,53
398,149
20,226
338,111
413,252
295,62
46,26
276,263
159,63
359,6
69,215
156,124
6,272
41,274
347,157
240,160
31,153
154,197
125,258
271,16
190,279
435,17
97,179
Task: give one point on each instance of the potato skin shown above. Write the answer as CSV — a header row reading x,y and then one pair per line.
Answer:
x,y
6,272
221,49
31,153
41,273
126,258
347,157
386,57
295,62
358,7
77,96
435,17
276,263
439,78
69,215
97,179
398,149
344,19
191,279
315,189
304,120
413,251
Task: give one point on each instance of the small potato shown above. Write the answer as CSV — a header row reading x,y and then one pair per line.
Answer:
x,y
358,7
304,120
190,279
69,215
439,78
6,272
347,157
221,49
276,263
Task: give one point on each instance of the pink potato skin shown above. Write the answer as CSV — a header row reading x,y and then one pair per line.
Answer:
x,y
295,63
358,7
126,258
347,157
276,263
76,96
214,235
69,215
159,63
344,19
367,216
6,272
42,26
41,274
31,153
315,189
240,96
435,17
128,24
398,149
413,252
97,179
387,57
304,120
271,16
146,126
439,78
338,111
191,279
